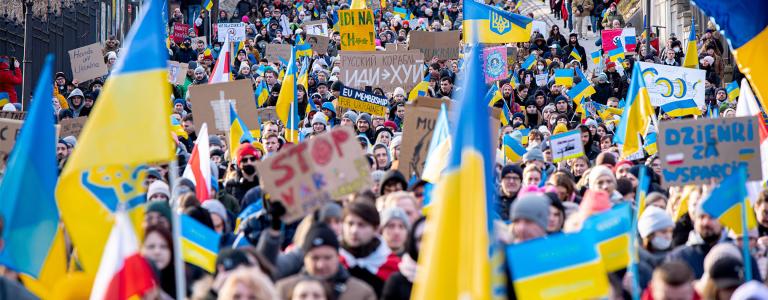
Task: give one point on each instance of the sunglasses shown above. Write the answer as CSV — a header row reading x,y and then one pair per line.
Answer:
x,y
249,159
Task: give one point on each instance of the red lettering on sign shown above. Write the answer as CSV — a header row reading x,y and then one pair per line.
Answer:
x,y
299,150
322,151
339,137
287,197
278,164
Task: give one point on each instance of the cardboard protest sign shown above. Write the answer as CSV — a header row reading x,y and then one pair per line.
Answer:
x,y
87,62
267,114
235,31
319,27
319,43
13,115
180,31
306,176
363,102
195,40
566,145
668,84
495,64
71,127
9,130
609,38
392,47
541,79
420,119
356,29
177,72
275,52
443,45
696,151
386,70
211,104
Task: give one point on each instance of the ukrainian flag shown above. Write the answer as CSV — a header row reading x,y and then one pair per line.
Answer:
x,y
439,148
596,57
617,55
287,107
644,181
562,266
725,202
34,241
529,62
256,132
612,230
580,91
5,98
506,115
473,268
421,89
513,150
404,13
681,108
564,77
487,24
691,52
238,132
733,90
208,5
262,93
746,27
650,143
575,54
514,80
128,128
589,89
358,4
199,244
303,49
525,132
178,129
636,116
493,95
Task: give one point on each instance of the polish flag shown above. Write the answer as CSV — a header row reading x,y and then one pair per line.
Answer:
x,y
198,168
675,159
123,273
220,71
747,107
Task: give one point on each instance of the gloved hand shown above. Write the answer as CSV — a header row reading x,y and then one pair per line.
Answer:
x,y
276,211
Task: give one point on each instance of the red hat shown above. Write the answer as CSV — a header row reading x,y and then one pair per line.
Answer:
x,y
621,163
247,149
391,125
610,64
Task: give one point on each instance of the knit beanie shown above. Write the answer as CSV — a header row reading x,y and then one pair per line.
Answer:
x,y
329,210
560,128
366,117
597,172
653,219
247,149
319,235
319,118
533,207
159,187
394,213
595,201
533,155
365,211
160,207
215,207
511,169
350,115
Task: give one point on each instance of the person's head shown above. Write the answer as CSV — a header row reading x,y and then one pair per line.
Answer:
x,y
321,252
556,218
158,191
158,246
564,185
655,228
62,150
381,156
406,201
392,181
270,76
531,175
761,208
271,143
199,73
218,215
622,168
672,280
612,102
708,227
363,122
158,214
606,142
446,84
359,224
529,215
247,157
247,284
601,178
669,54
394,228
310,289
384,136
511,179
579,165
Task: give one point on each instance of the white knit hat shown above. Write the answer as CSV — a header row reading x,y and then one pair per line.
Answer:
x,y
652,220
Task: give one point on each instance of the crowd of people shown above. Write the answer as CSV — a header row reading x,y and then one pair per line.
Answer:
x,y
366,245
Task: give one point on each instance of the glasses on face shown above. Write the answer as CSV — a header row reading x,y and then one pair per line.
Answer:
x,y
514,178
249,159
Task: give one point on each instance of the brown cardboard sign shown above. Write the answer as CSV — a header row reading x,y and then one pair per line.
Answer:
x,y
443,45
276,51
71,127
267,114
319,43
210,103
13,115
386,70
305,176
9,131
420,119
697,151
177,72
318,27
87,62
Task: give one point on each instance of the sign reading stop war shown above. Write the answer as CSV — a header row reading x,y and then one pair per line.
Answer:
x,y
356,30
305,176
87,62
386,70
697,151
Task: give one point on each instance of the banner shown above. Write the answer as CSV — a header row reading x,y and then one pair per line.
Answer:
x,y
9,130
611,231
71,127
386,70
667,84
180,31
363,102
696,151
319,43
177,72
319,27
356,29
323,168
275,52
443,45
235,31
211,104
566,145
495,64
87,63
612,37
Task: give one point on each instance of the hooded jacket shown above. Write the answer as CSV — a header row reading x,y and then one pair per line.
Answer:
x,y
75,108
9,78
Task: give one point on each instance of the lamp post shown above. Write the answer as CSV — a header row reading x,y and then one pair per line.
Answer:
x,y
25,70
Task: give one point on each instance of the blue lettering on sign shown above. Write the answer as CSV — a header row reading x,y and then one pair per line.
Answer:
x,y
684,175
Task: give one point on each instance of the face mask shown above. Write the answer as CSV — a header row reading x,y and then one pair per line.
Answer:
x,y
249,170
676,49
540,67
217,48
660,243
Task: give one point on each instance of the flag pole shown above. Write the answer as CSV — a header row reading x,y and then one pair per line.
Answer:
x,y
178,262
745,230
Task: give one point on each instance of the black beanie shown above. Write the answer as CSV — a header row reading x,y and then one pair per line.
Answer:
x,y
319,235
512,169
364,210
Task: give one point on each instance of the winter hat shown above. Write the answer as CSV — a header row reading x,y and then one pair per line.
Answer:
x,y
707,59
319,235
160,207
180,101
245,19
215,140
9,107
390,124
329,210
623,162
366,117
598,171
518,115
192,65
533,154
350,115
591,122
394,213
320,118
199,69
243,66
364,210
560,128
602,77
158,187
653,219
377,176
71,140
329,106
111,55
247,149
512,169
399,91
533,207
215,207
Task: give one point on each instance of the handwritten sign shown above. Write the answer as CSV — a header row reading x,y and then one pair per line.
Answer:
x,y
177,72
356,29
277,51
87,62
362,101
443,45
180,31
696,151
9,131
235,32
319,27
306,176
566,145
267,114
319,43
71,127
13,115
495,64
211,103
386,70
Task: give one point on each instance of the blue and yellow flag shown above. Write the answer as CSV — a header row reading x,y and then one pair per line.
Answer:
x,y
199,244
506,115
529,62
725,201
5,98
438,151
404,13
473,269
513,150
644,181
421,89
564,77
733,90
685,107
575,54
303,49
34,242
561,266
178,129
261,94
127,129
745,25
691,52
525,132
616,55
514,80
208,5
611,230
650,143
493,95
488,24
596,57
636,116
238,132
287,107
